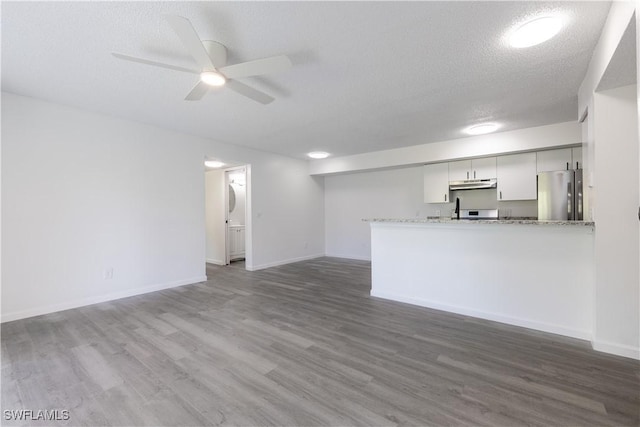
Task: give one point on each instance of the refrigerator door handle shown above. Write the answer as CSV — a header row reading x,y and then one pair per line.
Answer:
x,y
578,211
570,201
578,215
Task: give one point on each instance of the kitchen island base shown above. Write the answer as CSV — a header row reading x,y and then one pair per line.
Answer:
x,y
535,276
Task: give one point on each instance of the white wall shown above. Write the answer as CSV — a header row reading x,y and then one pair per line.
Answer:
x,y
287,207
637,15
85,192
214,216
529,139
393,193
620,14
610,157
618,19
617,305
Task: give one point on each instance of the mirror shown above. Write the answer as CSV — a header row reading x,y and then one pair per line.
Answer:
x,y
232,199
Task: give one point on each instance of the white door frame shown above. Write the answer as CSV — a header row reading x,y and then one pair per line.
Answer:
x,y
247,216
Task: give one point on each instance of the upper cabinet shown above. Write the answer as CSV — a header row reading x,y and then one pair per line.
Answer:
x,y
460,170
554,160
562,159
482,168
436,183
516,173
517,177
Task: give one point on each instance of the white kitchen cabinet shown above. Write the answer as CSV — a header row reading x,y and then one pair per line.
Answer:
x,y
436,183
484,168
553,160
517,177
481,168
460,170
576,158
562,159
236,242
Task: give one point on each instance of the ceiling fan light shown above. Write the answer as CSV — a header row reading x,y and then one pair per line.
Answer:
x,y
535,31
318,154
482,128
212,78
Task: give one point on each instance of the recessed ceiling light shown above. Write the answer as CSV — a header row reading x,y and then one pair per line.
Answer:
x,y
212,78
482,128
535,31
213,163
318,155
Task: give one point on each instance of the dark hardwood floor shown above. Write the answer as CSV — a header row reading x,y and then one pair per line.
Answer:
x,y
303,345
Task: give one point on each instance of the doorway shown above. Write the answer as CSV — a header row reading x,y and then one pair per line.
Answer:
x,y
235,209
228,215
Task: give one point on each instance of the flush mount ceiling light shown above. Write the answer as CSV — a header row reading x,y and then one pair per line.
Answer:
x,y
535,31
212,78
482,128
213,163
318,155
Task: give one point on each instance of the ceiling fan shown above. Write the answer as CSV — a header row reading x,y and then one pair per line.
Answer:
x,y
211,58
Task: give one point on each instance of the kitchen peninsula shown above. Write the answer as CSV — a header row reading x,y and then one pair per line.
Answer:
x,y
536,274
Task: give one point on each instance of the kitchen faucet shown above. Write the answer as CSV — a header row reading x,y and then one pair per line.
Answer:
x,y
457,211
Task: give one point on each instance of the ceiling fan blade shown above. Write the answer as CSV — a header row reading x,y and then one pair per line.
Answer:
x,y
249,92
269,65
154,63
217,52
191,40
198,91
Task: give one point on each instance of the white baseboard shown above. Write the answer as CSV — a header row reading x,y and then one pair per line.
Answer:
x,y
38,311
617,349
283,262
497,317
356,257
214,261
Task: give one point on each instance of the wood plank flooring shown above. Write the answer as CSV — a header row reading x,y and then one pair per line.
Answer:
x,y
303,345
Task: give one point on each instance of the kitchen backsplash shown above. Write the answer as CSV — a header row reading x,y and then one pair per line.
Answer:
x,y
483,199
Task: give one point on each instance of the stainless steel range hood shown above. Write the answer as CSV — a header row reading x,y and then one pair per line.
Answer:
x,y
473,184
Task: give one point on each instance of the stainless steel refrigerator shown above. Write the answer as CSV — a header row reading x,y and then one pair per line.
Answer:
x,y
560,195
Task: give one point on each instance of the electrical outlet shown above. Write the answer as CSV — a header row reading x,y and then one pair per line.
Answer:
x,y
108,274
438,212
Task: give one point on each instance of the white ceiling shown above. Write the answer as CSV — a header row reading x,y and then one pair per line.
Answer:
x,y
366,76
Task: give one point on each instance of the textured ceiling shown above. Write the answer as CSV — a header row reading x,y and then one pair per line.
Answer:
x,y
366,76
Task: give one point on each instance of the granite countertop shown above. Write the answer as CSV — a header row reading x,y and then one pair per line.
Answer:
x,y
520,221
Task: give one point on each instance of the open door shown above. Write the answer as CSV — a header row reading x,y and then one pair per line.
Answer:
x,y
215,217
